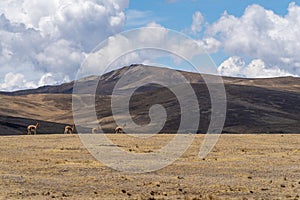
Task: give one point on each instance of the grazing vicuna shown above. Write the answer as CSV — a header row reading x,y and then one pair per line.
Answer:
x,y
69,129
120,129
32,129
95,130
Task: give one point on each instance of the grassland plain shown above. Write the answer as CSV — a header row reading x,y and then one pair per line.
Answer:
x,y
258,166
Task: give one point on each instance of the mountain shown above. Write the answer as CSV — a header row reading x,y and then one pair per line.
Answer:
x,y
265,105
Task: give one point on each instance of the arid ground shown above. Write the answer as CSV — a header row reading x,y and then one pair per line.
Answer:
x,y
239,167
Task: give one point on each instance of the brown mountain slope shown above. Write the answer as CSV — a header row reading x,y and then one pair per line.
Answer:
x,y
109,79
253,105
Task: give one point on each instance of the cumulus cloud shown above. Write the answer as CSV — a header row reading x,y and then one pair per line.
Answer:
x,y
260,33
197,23
137,18
117,49
44,42
209,44
16,82
147,46
43,37
50,79
237,67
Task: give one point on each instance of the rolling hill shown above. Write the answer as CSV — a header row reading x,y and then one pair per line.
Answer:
x,y
267,105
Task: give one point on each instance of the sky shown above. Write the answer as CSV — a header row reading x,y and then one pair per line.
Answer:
x,y
45,42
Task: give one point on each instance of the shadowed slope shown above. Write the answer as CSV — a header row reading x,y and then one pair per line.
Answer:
x,y
269,105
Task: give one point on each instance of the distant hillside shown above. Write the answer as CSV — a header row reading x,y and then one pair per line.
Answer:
x,y
268,105
65,88
109,79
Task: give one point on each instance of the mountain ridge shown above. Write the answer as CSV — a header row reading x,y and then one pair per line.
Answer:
x,y
67,88
266,105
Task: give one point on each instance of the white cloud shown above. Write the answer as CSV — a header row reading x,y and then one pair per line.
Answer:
x,y
18,81
15,82
137,18
197,23
260,33
232,66
147,45
209,44
39,37
60,56
115,46
237,67
44,42
50,79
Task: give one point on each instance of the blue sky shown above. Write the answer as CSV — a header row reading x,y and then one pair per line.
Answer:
x,y
177,14
44,42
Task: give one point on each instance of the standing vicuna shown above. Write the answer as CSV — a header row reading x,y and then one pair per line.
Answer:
x,y
69,129
32,129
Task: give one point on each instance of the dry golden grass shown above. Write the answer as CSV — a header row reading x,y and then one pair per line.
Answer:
x,y
239,167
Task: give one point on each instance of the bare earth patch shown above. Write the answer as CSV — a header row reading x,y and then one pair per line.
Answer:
x,y
239,167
